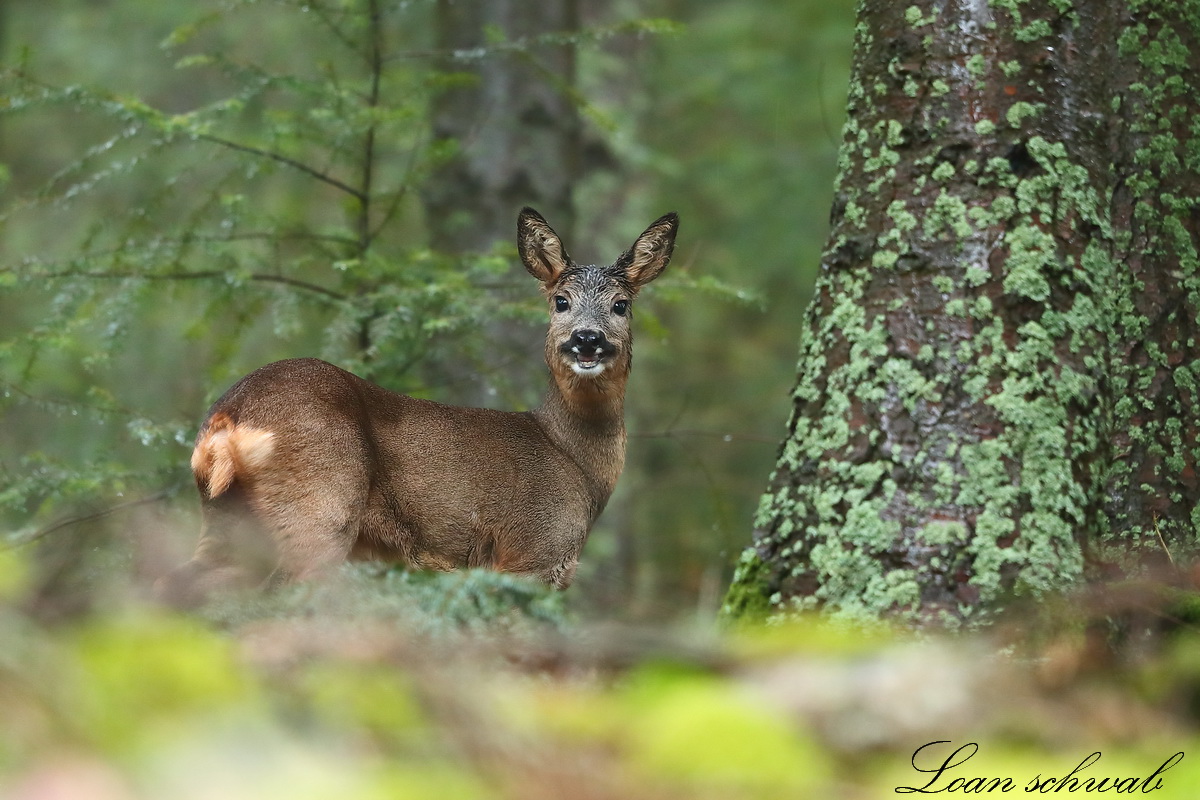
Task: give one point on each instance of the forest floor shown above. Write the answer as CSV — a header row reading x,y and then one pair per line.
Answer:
x,y
476,685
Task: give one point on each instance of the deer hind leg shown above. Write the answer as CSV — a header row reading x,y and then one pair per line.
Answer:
x,y
312,534
230,555
310,552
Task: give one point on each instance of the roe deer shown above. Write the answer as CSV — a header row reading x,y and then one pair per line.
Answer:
x,y
302,465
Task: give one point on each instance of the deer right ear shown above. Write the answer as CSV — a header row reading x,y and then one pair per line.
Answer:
x,y
650,254
541,250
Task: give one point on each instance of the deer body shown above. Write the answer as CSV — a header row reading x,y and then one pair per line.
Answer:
x,y
301,465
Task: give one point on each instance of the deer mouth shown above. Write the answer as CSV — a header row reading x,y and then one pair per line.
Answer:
x,y
592,363
588,360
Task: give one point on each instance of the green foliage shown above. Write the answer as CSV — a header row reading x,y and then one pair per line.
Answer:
x,y
344,691
694,732
261,215
137,676
426,603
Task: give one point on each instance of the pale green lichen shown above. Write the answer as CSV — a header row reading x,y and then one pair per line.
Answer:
x,y
1038,29
943,171
985,127
884,258
947,216
1020,111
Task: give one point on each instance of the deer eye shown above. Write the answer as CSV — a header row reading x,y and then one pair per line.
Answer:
x,y
561,304
621,307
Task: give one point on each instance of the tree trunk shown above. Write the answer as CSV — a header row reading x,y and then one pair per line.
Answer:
x,y
515,127
514,133
997,386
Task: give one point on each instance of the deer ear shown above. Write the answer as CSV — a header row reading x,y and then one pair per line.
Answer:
x,y
651,252
541,250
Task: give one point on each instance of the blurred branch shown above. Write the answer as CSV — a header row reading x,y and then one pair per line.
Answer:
x,y
47,403
683,434
202,275
287,161
572,38
41,533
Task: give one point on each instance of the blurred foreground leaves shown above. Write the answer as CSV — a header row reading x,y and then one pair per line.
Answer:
x,y
388,684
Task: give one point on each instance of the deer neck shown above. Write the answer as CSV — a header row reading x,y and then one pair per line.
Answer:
x,y
585,418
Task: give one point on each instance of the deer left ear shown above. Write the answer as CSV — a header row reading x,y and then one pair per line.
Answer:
x,y
651,252
541,250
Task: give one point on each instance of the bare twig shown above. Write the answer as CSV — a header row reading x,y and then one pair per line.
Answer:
x,y
673,433
82,518
202,275
1158,532
286,160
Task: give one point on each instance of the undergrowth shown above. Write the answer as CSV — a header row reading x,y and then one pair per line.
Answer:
x,y
381,683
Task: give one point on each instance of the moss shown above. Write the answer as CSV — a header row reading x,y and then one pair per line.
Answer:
x,y
1038,29
748,598
884,258
1020,111
943,171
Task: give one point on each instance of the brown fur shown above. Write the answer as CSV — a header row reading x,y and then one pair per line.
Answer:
x,y
301,465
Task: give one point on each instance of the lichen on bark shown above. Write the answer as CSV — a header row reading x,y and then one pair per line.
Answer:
x,y
976,405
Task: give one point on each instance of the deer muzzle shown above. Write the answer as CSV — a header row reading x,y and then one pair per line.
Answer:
x,y
587,351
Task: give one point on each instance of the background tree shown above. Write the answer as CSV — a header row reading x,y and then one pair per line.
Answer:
x,y
513,120
997,384
508,117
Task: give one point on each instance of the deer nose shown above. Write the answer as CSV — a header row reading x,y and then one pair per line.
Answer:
x,y
587,340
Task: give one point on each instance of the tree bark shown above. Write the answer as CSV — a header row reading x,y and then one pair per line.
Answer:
x,y
512,133
514,126
997,387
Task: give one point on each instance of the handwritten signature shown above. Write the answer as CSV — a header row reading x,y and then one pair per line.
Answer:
x,y
1072,781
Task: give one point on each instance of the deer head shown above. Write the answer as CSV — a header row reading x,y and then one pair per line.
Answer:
x,y
588,345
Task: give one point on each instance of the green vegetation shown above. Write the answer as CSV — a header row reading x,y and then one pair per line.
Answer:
x,y
474,685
